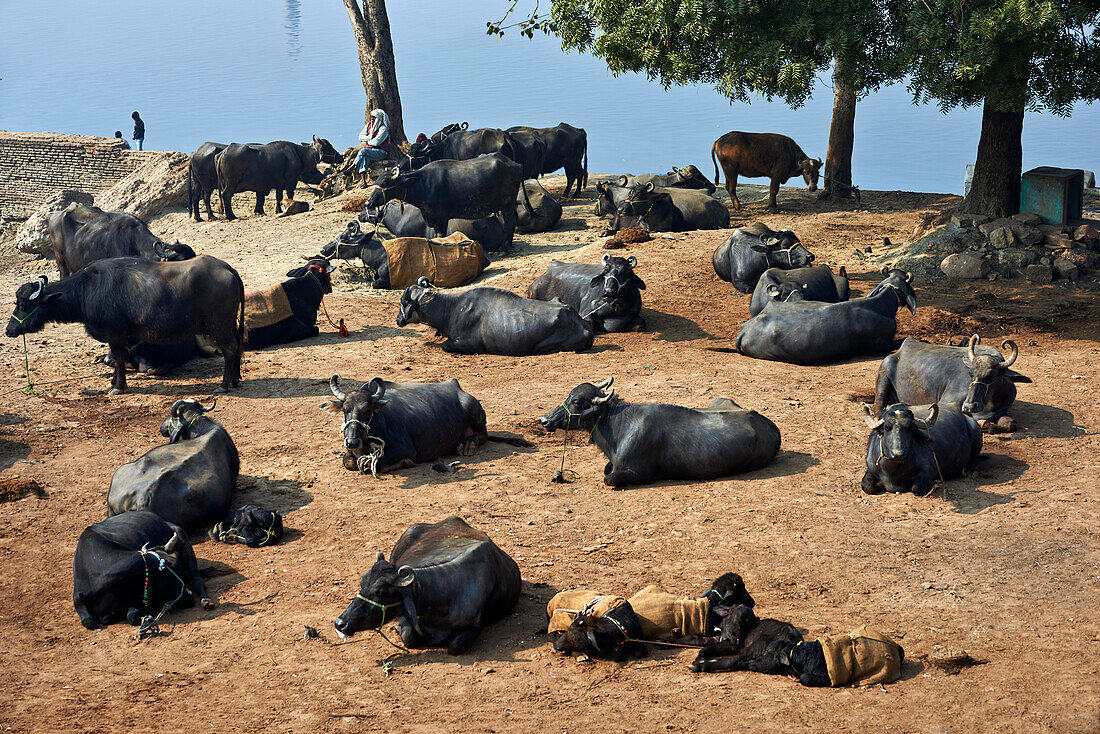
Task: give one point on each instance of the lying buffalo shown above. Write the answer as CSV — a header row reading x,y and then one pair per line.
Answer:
x,y
404,424
250,525
743,638
82,235
974,378
566,147
688,177
279,165
648,442
287,312
458,143
908,454
607,294
663,210
762,154
495,321
125,298
808,332
547,209
443,584
202,178
133,565
818,283
754,248
189,481
406,220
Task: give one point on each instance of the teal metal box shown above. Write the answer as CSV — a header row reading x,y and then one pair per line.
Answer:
x,y
1055,194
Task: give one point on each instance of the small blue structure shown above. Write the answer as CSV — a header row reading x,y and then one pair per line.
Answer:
x,y
1055,194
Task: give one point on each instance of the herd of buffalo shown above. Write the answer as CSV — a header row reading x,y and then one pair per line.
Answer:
x,y
156,304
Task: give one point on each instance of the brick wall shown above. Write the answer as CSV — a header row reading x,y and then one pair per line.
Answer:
x,y
34,166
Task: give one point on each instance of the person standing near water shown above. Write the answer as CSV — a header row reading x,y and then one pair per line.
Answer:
x,y
375,138
139,131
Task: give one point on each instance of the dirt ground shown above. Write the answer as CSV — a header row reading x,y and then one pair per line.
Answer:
x,y
1004,566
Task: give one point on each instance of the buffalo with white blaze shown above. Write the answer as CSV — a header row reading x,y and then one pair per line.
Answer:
x,y
82,235
910,454
607,294
974,378
818,283
495,321
648,442
443,584
753,249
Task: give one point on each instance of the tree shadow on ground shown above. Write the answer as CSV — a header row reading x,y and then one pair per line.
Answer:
x,y
256,388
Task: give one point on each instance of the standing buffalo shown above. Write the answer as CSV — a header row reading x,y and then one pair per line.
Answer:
x,y
975,378
457,143
688,177
762,154
547,209
406,220
157,302
189,481
818,283
608,293
667,210
295,316
495,321
202,178
752,249
444,583
906,454
82,235
648,442
530,152
808,332
261,168
566,147
133,565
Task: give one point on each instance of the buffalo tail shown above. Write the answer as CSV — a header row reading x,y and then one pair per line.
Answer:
x,y
714,158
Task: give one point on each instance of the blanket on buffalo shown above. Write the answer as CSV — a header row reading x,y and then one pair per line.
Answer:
x,y
265,307
447,263
861,657
666,616
566,605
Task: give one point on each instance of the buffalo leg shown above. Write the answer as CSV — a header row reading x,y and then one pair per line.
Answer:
x,y
871,484
290,189
773,191
461,642
472,441
227,203
569,178
454,346
623,477
229,342
885,394
409,635
191,573
119,355
278,201
720,664
510,219
731,186
206,194
260,196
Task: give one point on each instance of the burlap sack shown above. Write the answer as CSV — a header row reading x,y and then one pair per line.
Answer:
x,y
665,616
265,307
448,263
862,657
566,605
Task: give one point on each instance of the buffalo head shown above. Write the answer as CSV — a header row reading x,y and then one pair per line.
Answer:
x,y
380,598
618,272
729,590
412,299
317,268
358,411
605,204
810,169
251,525
325,152
32,306
173,252
181,420
581,409
897,428
390,184
902,284
986,369
736,624
611,636
640,198
692,178
783,250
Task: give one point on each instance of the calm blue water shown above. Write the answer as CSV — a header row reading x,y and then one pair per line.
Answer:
x,y
257,70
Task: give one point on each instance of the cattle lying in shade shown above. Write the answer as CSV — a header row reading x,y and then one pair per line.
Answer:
x,y
190,481
812,333
975,378
547,209
250,525
688,177
910,454
393,425
495,321
648,442
443,584
131,566
751,250
818,283
566,147
762,154
406,220
608,293
82,234
664,210
287,312
279,165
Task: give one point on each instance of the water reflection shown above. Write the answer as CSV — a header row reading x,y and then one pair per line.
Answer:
x,y
293,25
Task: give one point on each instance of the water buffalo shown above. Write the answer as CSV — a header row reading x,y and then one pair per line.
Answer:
x,y
82,235
762,154
188,481
133,565
202,178
907,454
261,168
450,189
608,293
251,525
304,291
530,152
566,147
752,249
444,583
495,321
818,283
811,333
406,220
156,302
408,423
975,378
689,209
547,209
688,177
648,442
460,144
743,638
160,359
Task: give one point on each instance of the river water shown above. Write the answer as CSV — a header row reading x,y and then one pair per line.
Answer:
x,y
258,70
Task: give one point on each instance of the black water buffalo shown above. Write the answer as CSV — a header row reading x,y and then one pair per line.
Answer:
x,y
811,333
566,147
404,424
762,154
251,525
189,481
688,177
495,321
530,152
82,235
648,442
406,220
304,291
159,359
450,189
444,583
663,211
607,294
202,178
752,249
460,144
743,638
156,302
261,168
974,378
133,565
548,210
907,454
818,283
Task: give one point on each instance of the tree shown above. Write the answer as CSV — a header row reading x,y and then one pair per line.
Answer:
x,y
372,35
1010,56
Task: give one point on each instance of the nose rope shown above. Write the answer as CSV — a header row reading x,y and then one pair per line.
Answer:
x,y
148,627
559,476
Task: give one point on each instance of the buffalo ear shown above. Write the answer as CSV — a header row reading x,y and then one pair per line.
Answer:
x,y
595,281
177,432
638,281
379,557
1016,376
335,407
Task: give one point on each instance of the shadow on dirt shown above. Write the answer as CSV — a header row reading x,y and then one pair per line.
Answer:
x,y
672,328
282,495
468,468
12,451
1035,420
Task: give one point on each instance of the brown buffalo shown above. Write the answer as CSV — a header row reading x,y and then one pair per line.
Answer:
x,y
762,154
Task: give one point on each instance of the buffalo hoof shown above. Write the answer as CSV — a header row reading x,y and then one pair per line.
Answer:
x,y
207,603
221,390
115,391
1006,424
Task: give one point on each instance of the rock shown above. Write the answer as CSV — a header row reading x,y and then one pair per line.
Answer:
x,y
34,237
1002,237
1029,236
1066,268
964,266
1086,233
1051,229
922,256
996,223
151,188
1029,218
1039,274
1057,241
1016,258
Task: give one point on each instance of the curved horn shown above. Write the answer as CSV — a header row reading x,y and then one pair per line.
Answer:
x,y
334,385
872,423
171,543
423,282
606,383
1013,354
377,388
163,254
970,343
606,258
145,548
405,576
908,277
632,262
927,423
465,125
175,409
41,280
622,180
649,186
885,270
601,399
204,409
315,138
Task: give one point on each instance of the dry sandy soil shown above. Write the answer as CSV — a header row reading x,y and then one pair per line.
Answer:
x,y
1005,566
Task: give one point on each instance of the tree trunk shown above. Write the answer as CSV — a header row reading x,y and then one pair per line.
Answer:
x,y
372,35
842,134
995,189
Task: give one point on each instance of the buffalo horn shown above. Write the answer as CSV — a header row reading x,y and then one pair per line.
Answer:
x,y
933,413
175,412
334,385
970,344
885,270
606,258
171,543
649,186
632,261
162,254
465,125
205,409
405,576
379,557
423,282
42,280
773,290
908,277
1013,353
606,383
376,388
622,180
601,399
872,423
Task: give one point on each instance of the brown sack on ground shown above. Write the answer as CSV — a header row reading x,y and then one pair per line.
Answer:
x,y
566,605
665,616
862,657
265,307
447,263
